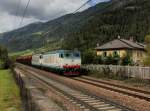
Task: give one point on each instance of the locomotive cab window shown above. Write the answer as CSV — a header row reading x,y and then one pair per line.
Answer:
x,y
41,56
76,55
61,55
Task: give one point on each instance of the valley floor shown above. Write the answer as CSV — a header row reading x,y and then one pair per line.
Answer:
x,y
10,99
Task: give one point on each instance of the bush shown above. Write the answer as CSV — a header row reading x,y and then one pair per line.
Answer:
x,y
88,56
2,64
97,60
107,72
126,60
116,59
147,58
4,61
107,60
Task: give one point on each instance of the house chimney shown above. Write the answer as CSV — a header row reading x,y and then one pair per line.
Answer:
x,y
131,39
119,37
97,44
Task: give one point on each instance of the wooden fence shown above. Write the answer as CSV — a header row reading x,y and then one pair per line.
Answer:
x,y
129,71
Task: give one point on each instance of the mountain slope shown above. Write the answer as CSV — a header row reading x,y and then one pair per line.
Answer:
x,y
130,18
97,24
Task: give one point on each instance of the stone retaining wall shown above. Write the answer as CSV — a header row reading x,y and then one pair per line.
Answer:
x,y
33,98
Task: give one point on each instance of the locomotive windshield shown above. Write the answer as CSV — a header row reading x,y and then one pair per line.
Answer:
x,y
69,55
66,55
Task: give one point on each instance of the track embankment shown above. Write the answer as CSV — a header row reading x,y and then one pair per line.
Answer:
x,y
81,100
131,91
91,96
33,96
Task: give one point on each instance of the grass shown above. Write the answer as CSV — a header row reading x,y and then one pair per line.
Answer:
x,y
37,34
54,45
10,99
138,82
47,47
14,55
26,52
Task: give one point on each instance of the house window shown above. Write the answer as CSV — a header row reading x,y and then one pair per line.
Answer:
x,y
115,53
105,54
138,54
141,54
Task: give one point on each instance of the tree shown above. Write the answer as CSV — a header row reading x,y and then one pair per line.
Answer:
x,y
147,58
126,60
97,60
88,56
109,59
4,61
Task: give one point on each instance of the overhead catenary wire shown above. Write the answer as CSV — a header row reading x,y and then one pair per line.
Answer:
x,y
82,6
101,11
78,9
17,9
24,13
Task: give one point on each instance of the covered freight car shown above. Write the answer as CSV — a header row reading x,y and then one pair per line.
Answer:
x,y
25,59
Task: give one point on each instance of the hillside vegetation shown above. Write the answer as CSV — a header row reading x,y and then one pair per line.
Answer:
x,y
4,60
84,30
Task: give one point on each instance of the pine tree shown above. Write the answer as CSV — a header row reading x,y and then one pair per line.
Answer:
x,y
147,58
3,58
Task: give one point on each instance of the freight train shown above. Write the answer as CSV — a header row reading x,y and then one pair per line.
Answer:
x,y
64,62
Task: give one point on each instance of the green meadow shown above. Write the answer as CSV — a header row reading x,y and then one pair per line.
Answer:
x,y
10,99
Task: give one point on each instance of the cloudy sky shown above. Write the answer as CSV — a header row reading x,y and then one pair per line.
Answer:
x,y
38,10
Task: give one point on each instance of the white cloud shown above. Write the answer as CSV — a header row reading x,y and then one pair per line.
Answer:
x,y
38,10
9,22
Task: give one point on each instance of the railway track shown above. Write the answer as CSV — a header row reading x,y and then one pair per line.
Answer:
x,y
85,101
137,93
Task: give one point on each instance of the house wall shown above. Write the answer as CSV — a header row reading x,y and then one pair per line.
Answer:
x,y
136,55
121,53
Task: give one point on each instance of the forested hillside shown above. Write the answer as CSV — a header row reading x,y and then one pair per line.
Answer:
x,y
132,19
98,24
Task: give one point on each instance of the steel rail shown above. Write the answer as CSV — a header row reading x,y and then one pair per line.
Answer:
x,y
116,85
83,91
116,89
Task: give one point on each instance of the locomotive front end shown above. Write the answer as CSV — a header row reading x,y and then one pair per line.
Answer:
x,y
72,63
